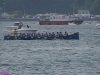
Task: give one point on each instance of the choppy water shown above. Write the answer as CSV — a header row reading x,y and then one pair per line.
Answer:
x,y
52,57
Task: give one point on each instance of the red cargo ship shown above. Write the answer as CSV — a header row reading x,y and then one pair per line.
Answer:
x,y
56,19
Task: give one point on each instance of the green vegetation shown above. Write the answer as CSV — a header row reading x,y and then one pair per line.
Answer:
x,y
49,6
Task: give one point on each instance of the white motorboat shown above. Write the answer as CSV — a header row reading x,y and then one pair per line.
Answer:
x,y
87,23
15,26
25,30
98,25
20,28
71,23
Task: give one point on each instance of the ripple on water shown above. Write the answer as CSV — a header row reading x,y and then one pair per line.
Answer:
x,y
52,57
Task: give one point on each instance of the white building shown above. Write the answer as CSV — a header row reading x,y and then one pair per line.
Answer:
x,y
83,13
5,15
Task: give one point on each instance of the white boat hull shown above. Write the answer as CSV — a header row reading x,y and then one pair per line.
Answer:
x,y
19,28
26,31
23,30
98,26
71,24
11,27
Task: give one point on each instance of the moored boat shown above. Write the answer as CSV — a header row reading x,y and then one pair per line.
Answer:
x,y
57,19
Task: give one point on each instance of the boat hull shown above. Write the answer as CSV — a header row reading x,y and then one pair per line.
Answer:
x,y
26,31
11,27
74,36
60,22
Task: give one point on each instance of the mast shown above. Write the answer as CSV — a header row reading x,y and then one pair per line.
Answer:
x,y
55,8
4,7
73,8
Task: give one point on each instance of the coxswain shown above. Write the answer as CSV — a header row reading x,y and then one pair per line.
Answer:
x,y
15,32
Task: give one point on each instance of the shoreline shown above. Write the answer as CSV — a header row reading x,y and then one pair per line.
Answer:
x,y
95,19
19,19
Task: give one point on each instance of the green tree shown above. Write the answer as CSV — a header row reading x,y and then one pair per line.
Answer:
x,y
95,8
49,6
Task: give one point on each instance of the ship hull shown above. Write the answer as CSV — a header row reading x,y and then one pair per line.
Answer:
x,y
59,22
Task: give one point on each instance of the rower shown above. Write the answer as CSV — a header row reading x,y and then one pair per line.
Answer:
x,y
42,36
60,35
57,35
66,34
38,35
46,34
53,35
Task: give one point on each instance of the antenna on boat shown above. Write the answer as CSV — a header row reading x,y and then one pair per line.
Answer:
x,y
24,11
55,8
4,7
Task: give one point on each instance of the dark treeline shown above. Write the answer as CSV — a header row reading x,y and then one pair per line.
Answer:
x,y
50,6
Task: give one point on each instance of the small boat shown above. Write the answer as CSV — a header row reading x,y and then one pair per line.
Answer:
x,y
98,25
15,26
20,28
56,19
87,23
71,23
35,36
24,30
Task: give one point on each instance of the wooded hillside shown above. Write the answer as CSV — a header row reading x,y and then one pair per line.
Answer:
x,y
50,6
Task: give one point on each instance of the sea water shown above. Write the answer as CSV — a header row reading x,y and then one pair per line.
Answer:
x,y
52,57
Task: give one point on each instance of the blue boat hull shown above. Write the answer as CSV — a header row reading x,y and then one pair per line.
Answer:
x,y
74,36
